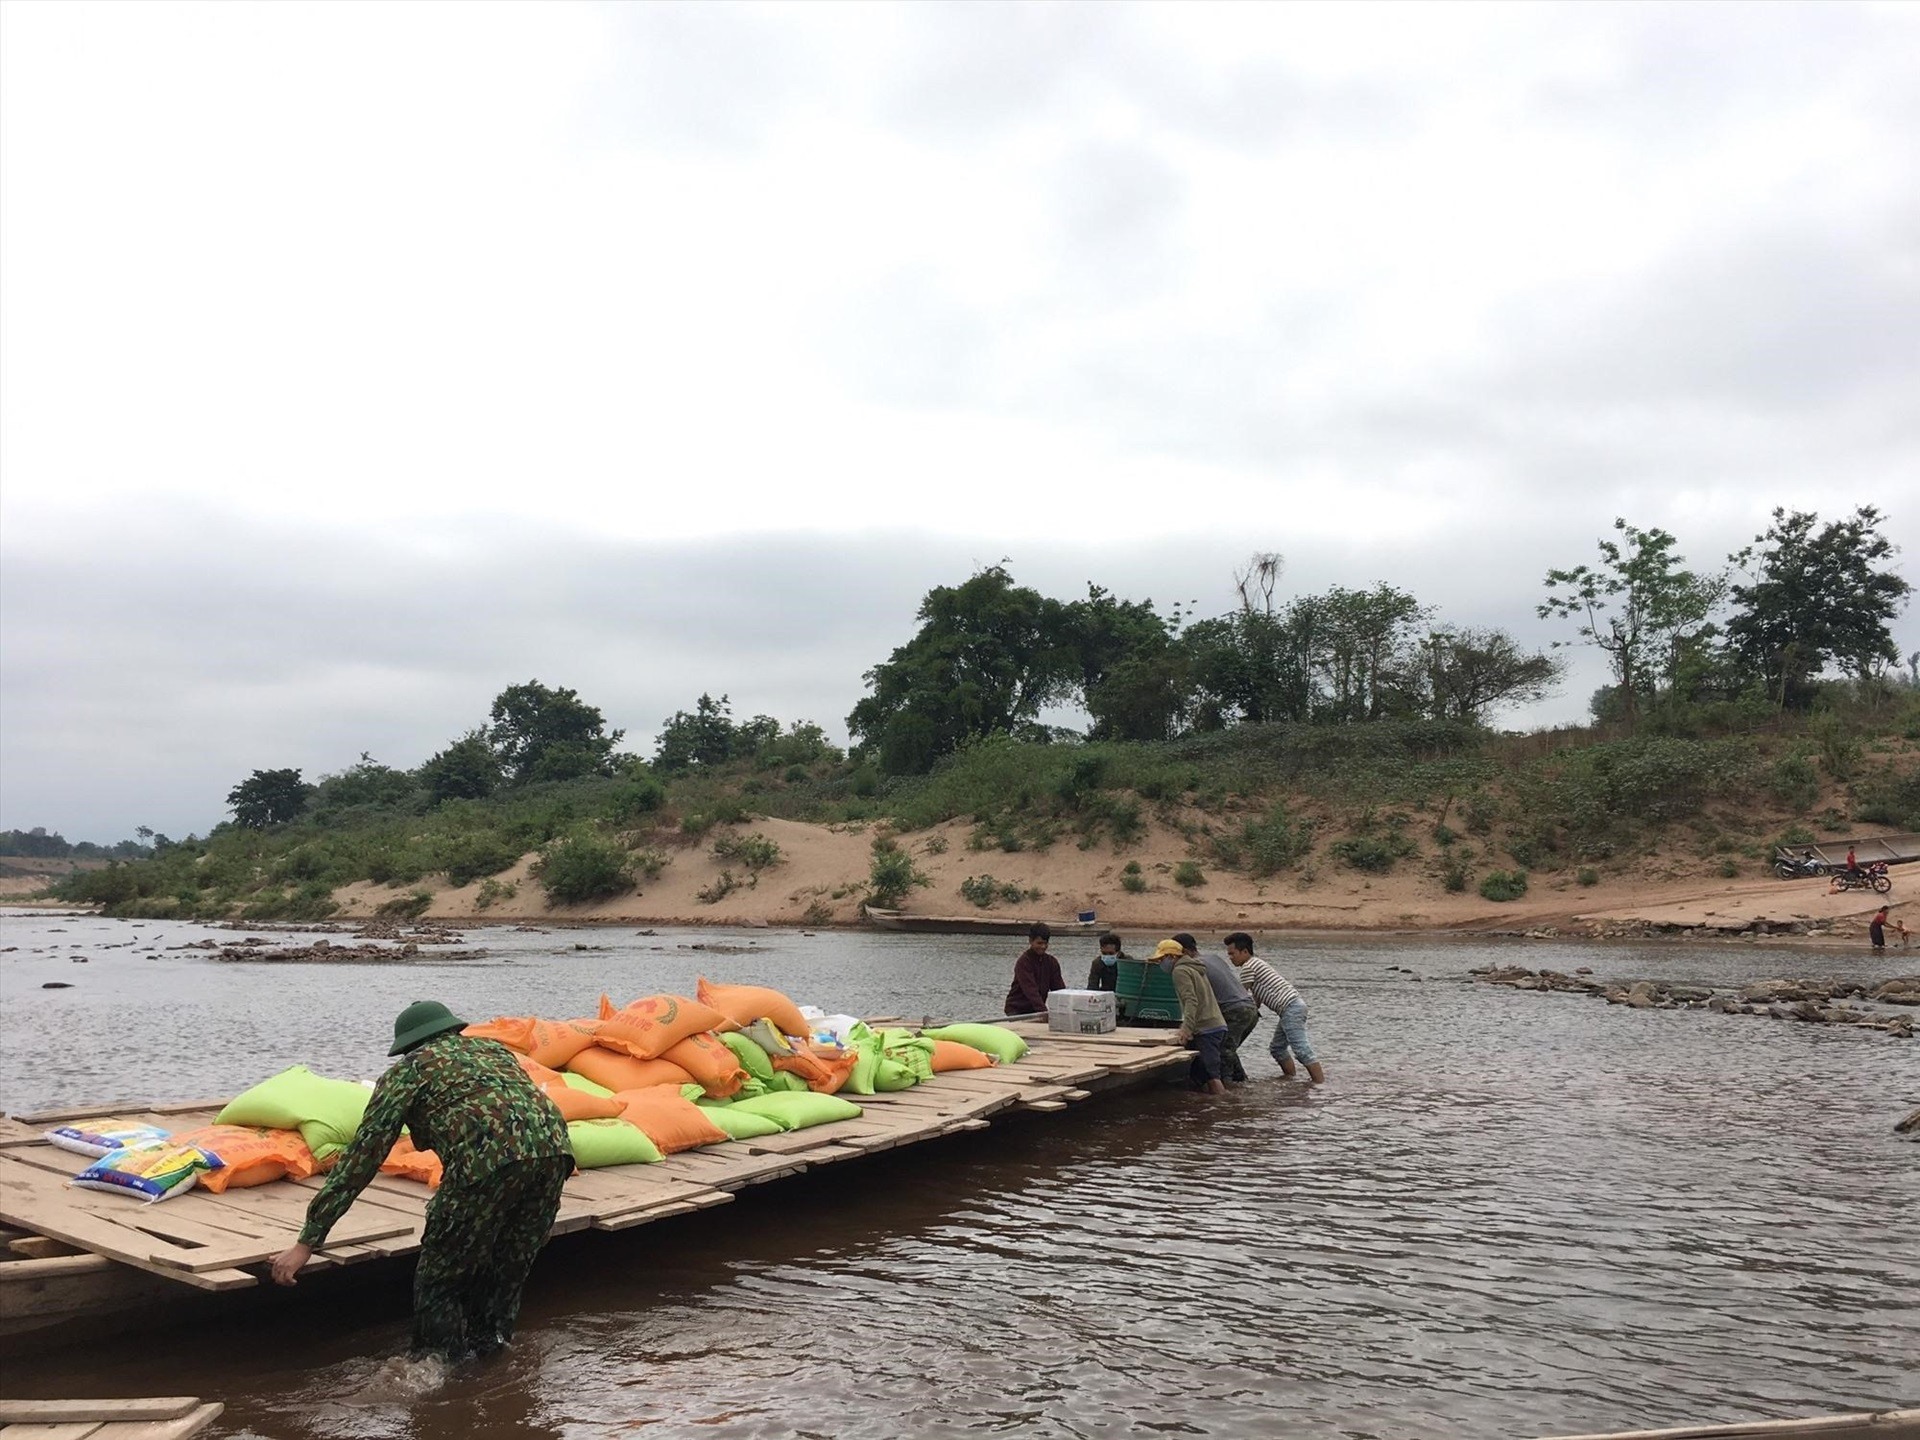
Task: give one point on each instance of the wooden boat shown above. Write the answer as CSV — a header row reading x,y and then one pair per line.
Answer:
x,y
112,1263
974,924
1865,1425
1867,850
170,1417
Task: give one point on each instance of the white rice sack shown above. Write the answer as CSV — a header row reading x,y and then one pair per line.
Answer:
x,y
103,1137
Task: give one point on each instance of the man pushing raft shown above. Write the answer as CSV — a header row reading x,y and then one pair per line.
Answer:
x,y
504,1153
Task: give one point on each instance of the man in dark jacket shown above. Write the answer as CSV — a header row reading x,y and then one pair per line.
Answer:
x,y
504,1151
1036,975
1105,974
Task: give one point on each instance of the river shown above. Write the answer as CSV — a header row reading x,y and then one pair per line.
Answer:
x,y
1509,1214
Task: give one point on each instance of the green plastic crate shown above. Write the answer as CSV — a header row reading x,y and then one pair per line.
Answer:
x,y
1143,994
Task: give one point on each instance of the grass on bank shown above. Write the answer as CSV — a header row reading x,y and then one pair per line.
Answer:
x,y
1259,801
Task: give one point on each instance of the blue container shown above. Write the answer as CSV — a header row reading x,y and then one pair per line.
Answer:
x,y
1086,917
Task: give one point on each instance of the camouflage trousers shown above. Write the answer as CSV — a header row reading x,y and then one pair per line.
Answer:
x,y
480,1243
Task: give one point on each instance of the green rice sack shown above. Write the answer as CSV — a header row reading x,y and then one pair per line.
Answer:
x,y
995,1040
610,1142
799,1111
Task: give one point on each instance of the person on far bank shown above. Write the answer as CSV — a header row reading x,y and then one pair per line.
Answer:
x,y
1036,975
1105,974
1235,1001
505,1154
1276,992
1877,928
1203,1029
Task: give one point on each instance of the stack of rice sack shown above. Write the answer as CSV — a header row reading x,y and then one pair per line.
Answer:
x,y
661,1074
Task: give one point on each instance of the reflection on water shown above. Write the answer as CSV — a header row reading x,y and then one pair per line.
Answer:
x,y
1510,1214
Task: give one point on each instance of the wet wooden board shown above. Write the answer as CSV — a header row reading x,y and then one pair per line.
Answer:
x,y
107,1420
202,1239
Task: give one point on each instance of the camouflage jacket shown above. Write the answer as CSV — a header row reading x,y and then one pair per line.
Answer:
x,y
466,1100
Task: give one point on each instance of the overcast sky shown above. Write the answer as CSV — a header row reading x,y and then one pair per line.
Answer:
x,y
357,361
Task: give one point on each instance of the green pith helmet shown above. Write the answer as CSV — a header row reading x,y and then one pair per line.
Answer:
x,y
421,1021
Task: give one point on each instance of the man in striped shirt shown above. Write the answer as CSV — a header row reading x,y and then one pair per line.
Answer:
x,y
1271,989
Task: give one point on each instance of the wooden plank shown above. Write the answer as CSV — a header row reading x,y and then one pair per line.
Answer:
x,y
38,1247
1864,1425
790,1141
180,1429
76,1430
648,1214
731,1172
49,1412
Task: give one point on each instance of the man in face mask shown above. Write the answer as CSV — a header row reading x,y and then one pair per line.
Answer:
x,y
1105,974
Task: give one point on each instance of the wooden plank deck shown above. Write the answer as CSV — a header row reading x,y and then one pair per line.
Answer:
x,y
209,1241
167,1418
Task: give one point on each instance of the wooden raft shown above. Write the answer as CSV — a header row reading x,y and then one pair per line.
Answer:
x,y
168,1418
206,1240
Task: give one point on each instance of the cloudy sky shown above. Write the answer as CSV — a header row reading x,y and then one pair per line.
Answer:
x,y
358,361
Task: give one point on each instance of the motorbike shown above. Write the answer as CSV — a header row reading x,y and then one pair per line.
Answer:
x,y
1866,877
1794,867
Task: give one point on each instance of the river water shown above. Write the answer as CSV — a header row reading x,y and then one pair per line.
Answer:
x,y
1509,1214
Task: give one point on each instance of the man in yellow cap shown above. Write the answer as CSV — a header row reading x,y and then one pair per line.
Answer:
x,y
1202,1027
504,1151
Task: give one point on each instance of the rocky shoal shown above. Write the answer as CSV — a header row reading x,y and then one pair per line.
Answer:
x,y
1821,1002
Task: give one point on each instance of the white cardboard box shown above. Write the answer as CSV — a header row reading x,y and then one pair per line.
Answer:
x,y
1081,1012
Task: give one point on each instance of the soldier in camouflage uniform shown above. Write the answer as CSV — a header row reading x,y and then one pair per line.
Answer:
x,y
504,1151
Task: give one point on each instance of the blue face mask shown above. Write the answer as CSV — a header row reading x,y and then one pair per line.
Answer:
x,y
1106,959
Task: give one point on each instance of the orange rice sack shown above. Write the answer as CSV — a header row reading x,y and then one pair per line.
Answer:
x,y
653,1025
611,1070
551,1042
579,1104
250,1156
713,1066
744,1004
952,1055
826,1072
536,1072
669,1119
411,1164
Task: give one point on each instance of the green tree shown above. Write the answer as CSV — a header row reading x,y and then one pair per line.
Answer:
x,y
268,797
988,656
368,783
546,734
468,769
1133,675
1815,597
1639,608
1471,673
706,737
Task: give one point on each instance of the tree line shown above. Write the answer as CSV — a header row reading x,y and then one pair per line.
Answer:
x,y
991,657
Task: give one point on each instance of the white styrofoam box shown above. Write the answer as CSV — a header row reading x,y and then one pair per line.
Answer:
x,y
1081,1012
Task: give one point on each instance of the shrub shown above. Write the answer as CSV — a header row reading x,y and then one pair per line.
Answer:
x,y
1890,799
985,892
1443,837
1588,877
935,845
893,875
1188,874
1366,852
1454,877
1728,869
467,857
1839,751
1480,808
1275,842
719,890
635,799
407,907
1794,783
650,862
492,892
583,866
1131,880
1797,835
756,852
1503,885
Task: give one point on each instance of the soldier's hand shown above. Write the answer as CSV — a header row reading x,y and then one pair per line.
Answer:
x,y
286,1265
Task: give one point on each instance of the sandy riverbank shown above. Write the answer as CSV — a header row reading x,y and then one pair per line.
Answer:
x,y
823,871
